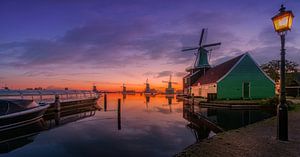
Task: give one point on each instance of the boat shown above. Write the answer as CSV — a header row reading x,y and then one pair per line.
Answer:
x,y
15,113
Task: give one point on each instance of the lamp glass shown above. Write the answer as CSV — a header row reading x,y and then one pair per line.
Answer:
x,y
283,21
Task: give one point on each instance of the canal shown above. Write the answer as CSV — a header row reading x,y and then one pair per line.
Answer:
x,y
157,125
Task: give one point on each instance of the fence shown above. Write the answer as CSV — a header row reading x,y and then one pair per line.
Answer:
x,y
47,95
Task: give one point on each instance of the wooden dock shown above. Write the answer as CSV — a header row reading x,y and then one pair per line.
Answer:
x,y
238,105
62,102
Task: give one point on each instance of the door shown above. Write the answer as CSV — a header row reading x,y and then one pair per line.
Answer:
x,y
246,90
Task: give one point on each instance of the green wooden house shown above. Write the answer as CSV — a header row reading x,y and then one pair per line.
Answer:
x,y
238,78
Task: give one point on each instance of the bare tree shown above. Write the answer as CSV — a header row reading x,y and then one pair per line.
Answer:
x,y
272,68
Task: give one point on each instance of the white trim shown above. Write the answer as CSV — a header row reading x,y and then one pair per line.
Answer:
x,y
245,54
232,68
25,112
260,68
195,73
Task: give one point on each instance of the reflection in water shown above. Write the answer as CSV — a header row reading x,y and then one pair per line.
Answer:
x,y
147,96
200,125
119,113
163,128
21,136
208,121
18,137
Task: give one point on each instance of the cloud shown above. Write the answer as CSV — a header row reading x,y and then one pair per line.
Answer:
x,y
180,74
266,54
113,43
142,34
54,74
163,74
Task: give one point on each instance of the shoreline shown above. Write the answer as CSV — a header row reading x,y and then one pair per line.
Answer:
x,y
258,139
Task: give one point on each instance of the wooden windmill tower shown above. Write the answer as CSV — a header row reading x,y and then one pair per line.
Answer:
x,y
123,88
170,89
201,63
95,88
147,89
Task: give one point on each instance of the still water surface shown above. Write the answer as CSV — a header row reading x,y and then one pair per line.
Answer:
x,y
148,126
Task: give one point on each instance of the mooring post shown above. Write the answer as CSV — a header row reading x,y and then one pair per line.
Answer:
x,y
21,94
119,114
105,102
57,110
193,99
193,102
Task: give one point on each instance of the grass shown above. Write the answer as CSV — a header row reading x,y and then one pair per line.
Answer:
x,y
294,107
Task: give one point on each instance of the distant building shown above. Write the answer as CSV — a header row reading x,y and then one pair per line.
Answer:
x,y
238,78
95,89
293,84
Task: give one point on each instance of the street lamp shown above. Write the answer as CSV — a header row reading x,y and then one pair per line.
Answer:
x,y
282,23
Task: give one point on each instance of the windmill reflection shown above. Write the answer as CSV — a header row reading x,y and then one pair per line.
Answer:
x,y
170,103
147,96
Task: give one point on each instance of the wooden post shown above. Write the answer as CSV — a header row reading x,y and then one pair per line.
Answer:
x,y
105,102
119,114
193,102
193,99
57,110
21,94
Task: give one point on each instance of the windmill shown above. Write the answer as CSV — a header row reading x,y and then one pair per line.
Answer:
x,y
147,89
202,53
170,90
95,88
123,88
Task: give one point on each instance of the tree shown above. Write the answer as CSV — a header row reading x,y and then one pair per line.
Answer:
x,y
272,68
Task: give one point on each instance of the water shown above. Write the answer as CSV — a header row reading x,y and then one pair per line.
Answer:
x,y
148,126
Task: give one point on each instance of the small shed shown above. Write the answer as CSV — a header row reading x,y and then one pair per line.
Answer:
x,y
237,78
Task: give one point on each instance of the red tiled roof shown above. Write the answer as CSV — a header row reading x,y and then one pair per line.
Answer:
x,y
212,75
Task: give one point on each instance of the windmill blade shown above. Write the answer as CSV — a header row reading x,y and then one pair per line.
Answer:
x,y
210,45
201,37
189,49
204,36
165,81
174,82
209,56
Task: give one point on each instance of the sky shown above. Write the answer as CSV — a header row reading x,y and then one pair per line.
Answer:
x,y
76,43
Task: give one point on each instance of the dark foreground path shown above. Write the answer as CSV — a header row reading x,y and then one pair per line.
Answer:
x,y
257,140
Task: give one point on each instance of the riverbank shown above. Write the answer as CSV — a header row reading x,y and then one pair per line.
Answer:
x,y
256,140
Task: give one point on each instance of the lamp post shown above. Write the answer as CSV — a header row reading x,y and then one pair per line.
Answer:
x,y
282,23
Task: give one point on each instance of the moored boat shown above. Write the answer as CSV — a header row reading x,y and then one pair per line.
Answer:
x,y
15,113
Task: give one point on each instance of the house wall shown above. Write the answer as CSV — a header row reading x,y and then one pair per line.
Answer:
x,y
202,90
231,86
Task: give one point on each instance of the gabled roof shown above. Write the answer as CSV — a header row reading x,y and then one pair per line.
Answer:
x,y
220,71
212,75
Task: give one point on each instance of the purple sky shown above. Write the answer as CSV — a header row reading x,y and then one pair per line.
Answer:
x,y
72,43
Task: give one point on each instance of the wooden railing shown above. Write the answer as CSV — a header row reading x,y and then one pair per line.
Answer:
x,y
47,95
